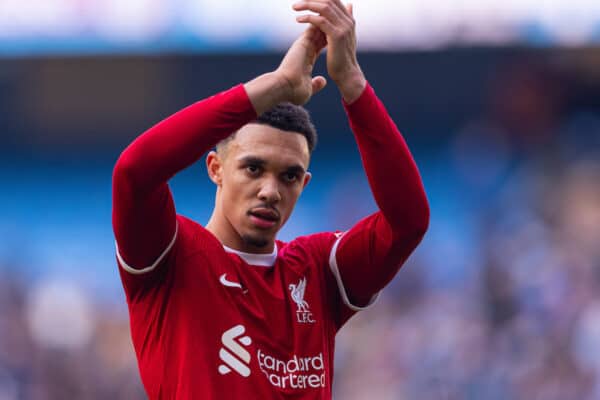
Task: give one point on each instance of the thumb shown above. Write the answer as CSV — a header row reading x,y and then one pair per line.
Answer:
x,y
350,8
318,83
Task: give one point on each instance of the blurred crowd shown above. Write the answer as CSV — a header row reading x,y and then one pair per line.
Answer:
x,y
501,301
55,344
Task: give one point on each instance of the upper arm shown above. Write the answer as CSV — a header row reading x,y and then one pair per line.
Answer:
x,y
144,220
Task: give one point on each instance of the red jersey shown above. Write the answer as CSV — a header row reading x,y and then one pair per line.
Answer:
x,y
208,322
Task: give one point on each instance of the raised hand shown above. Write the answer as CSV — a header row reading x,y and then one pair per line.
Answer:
x,y
297,66
292,81
337,23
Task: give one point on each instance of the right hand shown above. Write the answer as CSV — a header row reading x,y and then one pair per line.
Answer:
x,y
295,70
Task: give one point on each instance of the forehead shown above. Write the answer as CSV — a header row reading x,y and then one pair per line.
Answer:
x,y
270,144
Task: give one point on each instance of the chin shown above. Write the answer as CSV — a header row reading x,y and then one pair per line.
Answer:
x,y
258,241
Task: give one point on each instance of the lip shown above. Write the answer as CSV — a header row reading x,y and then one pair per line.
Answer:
x,y
265,213
261,222
264,217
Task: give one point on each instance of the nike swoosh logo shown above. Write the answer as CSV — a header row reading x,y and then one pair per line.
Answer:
x,y
225,282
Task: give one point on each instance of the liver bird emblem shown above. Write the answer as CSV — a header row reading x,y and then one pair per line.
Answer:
x,y
297,292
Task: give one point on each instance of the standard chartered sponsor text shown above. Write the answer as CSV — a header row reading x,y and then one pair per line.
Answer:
x,y
295,373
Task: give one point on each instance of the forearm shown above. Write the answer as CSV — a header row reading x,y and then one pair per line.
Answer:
x,y
266,91
352,85
371,252
181,139
391,170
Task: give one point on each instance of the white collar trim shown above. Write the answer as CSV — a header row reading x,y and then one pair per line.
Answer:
x,y
261,260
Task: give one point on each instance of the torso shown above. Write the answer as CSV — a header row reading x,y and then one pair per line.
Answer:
x,y
210,325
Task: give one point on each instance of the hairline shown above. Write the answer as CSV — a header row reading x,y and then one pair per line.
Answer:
x,y
220,148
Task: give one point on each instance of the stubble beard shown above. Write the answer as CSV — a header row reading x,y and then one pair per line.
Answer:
x,y
255,241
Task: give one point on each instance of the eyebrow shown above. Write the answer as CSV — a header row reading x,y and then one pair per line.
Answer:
x,y
252,160
296,168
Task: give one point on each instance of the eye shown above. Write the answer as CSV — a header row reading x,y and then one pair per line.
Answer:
x,y
290,177
252,169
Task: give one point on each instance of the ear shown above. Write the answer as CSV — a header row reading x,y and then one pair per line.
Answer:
x,y
214,166
307,177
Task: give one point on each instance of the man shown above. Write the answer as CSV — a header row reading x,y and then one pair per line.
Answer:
x,y
226,311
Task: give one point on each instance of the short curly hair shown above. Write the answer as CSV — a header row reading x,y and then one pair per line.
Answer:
x,y
287,117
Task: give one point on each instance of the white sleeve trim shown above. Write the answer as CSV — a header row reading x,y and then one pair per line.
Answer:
x,y
336,272
136,271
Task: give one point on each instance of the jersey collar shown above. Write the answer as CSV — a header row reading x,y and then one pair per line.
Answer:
x,y
261,260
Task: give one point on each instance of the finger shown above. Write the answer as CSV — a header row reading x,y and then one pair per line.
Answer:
x,y
350,9
315,34
336,5
320,39
338,20
318,83
342,7
316,37
320,22
316,45
312,32
326,9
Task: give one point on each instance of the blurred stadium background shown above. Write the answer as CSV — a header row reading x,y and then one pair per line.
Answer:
x,y
500,103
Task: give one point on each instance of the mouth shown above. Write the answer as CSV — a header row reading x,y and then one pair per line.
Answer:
x,y
263,217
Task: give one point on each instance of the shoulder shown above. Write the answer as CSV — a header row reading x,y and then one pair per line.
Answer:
x,y
193,238
315,246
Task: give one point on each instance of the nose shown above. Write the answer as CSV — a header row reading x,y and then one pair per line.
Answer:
x,y
269,191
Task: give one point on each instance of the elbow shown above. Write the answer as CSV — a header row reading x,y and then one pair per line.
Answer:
x,y
408,220
422,214
414,226
125,171
422,223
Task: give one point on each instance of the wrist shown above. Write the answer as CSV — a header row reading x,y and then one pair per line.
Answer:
x,y
266,91
283,88
352,86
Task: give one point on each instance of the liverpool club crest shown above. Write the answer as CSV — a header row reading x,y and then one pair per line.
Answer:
x,y
303,314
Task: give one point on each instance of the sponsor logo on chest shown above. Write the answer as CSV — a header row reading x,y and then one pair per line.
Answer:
x,y
303,313
233,355
295,372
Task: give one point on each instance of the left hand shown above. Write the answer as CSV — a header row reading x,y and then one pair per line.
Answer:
x,y
337,23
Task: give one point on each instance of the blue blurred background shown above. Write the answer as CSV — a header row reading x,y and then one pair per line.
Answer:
x,y
500,104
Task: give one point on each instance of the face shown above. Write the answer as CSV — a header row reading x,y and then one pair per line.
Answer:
x,y
259,174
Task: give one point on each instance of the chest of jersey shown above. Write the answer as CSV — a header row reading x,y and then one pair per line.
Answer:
x,y
268,324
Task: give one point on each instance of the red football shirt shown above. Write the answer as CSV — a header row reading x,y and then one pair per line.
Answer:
x,y
209,322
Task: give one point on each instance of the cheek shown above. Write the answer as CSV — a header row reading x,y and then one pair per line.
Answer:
x,y
236,195
233,206
290,197
237,185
